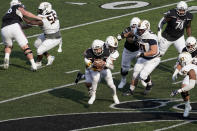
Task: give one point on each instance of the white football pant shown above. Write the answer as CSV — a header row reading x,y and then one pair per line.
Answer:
x,y
11,32
165,44
94,77
43,45
127,57
144,67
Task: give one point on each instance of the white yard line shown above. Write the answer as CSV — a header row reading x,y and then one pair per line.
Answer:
x,y
111,18
69,72
63,86
176,125
177,82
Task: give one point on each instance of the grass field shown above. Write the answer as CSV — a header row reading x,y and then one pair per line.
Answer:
x,y
51,91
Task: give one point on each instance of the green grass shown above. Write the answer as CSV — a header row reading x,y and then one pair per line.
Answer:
x,y
18,80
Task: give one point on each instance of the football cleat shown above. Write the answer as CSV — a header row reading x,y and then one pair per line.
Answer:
x,y
6,63
39,64
92,99
122,83
148,89
188,108
34,67
116,100
50,60
128,93
79,76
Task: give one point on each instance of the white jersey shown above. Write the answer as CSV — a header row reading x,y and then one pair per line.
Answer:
x,y
51,24
187,68
146,40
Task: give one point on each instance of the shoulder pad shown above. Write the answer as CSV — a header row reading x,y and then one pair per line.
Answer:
x,y
114,55
171,13
189,16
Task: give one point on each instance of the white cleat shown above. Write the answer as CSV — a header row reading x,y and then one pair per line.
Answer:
x,y
6,63
34,67
188,108
92,99
50,60
116,100
39,64
122,83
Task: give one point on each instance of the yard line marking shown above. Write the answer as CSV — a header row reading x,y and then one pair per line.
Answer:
x,y
177,82
75,3
176,125
111,18
59,87
69,72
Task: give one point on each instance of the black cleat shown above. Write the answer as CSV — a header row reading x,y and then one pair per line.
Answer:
x,y
148,89
128,93
79,76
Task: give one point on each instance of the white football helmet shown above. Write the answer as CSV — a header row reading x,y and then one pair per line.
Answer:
x,y
44,8
184,58
15,2
112,43
191,44
134,22
143,27
147,23
182,8
98,47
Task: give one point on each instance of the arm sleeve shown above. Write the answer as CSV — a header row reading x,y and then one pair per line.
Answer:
x,y
161,23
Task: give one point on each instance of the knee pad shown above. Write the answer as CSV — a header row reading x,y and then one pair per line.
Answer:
x,y
7,46
185,95
124,72
27,51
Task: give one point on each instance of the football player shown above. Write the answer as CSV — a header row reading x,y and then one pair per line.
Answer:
x,y
11,29
112,44
177,21
130,48
191,47
148,57
51,36
98,52
190,72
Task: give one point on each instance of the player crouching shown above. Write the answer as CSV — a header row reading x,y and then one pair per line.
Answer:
x,y
98,63
190,71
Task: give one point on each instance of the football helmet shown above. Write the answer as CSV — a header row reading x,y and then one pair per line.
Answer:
x,y
191,44
143,26
147,23
181,8
44,8
15,2
184,58
112,43
98,47
134,22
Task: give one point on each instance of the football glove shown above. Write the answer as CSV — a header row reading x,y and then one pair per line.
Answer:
x,y
119,37
140,54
